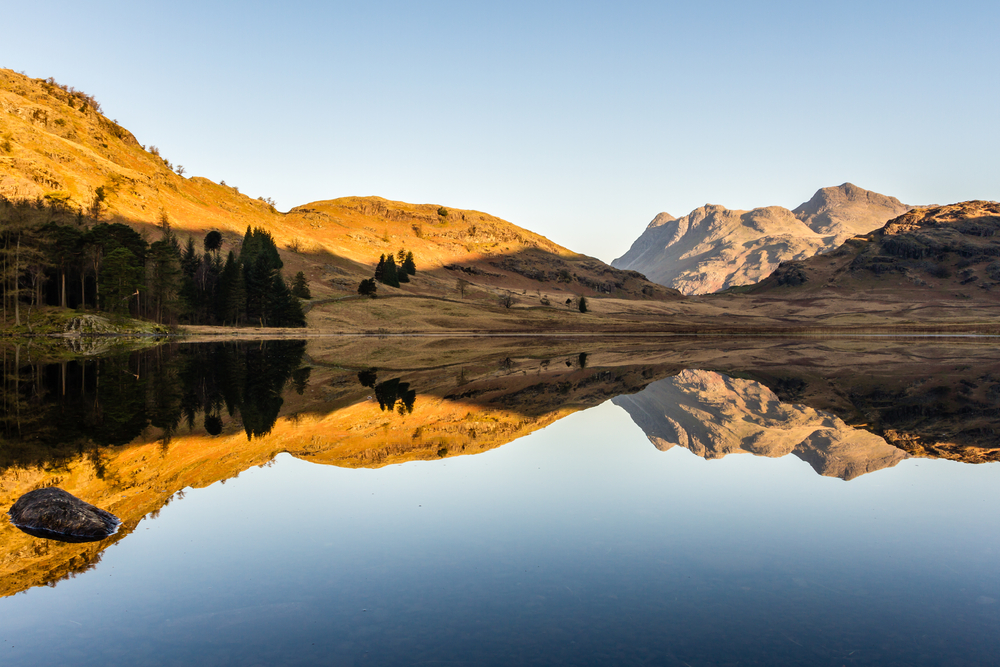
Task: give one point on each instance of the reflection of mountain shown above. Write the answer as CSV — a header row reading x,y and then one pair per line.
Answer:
x,y
714,415
180,416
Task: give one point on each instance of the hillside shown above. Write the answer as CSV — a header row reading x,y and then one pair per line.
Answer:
x,y
713,248
942,251
56,145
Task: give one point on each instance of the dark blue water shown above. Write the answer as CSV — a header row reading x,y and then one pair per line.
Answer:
x,y
579,544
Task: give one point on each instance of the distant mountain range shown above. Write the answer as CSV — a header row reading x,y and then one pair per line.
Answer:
x,y
713,415
949,250
713,248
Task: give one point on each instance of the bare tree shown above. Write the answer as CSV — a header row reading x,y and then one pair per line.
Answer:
x,y
507,300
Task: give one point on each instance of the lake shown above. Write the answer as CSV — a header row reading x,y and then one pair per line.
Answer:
x,y
495,501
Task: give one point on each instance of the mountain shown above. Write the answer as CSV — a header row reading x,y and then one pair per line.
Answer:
x,y
57,146
713,416
713,248
939,252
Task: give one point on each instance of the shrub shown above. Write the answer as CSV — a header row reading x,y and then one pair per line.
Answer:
x,y
443,212
368,287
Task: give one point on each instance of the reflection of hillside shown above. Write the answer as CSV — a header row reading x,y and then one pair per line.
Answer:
x,y
329,417
145,435
714,415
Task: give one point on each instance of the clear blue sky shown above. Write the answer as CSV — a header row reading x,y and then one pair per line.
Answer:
x,y
578,120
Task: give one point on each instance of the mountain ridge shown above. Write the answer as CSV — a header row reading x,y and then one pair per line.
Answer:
x,y
713,248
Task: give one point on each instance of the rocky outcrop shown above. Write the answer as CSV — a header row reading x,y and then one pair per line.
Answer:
x,y
713,248
847,210
953,248
714,415
52,513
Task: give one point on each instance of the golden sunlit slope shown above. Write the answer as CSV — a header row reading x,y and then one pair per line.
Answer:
x,y
55,144
333,422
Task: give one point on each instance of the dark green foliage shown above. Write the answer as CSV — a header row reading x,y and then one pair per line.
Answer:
x,y
380,269
164,278
409,266
269,302
119,279
443,212
582,304
300,286
213,241
56,411
401,274
368,287
281,308
390,277
190,259
57,256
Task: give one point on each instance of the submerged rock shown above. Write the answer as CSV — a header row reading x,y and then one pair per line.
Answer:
x,y
54,514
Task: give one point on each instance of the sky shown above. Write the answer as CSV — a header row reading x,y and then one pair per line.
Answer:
x,y
577,120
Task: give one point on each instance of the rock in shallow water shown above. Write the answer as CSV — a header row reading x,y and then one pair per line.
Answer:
x,y
54,514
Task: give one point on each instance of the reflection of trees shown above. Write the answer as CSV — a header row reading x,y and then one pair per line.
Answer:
x,y
52,412
391,394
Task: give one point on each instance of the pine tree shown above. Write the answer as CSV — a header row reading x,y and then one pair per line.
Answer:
x,y
189,258
300,286
380,269
390,277
164,279
408,264
283,309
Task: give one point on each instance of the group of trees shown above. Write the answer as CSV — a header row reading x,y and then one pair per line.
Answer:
x,y
52,255
388,272
53,412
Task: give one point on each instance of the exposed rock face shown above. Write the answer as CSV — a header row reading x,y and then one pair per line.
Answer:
x,y
714,415
713,248
847,211
953,247
55,514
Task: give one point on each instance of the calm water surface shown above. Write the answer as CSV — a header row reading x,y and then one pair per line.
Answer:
x,y
580,543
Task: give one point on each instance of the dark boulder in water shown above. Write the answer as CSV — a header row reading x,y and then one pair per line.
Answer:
x,y
54,514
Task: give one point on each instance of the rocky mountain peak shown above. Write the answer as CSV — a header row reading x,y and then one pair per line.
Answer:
x,y
660,219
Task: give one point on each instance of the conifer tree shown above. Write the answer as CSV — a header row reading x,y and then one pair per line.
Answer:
x,y
408,264
380,269
300,286
390,276
189,258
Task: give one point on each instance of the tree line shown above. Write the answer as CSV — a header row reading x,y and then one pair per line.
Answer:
x,y
52,255
389,273
53,412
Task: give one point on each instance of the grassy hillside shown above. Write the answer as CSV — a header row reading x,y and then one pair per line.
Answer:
x,y
56,144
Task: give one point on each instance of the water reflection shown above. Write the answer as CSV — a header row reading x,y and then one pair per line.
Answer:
x,y
713,415
129,431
